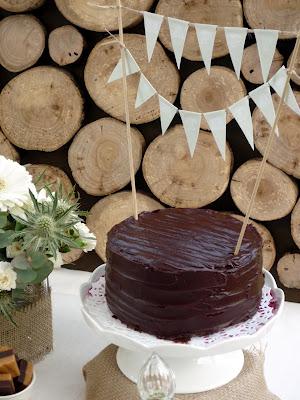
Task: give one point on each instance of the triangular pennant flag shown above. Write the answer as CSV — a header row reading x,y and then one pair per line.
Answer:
x,y
266,40
191,122
235,38
278,82
152,23
217,124
167,113
242,114
206,38
263,99
131,67
144,92
178,30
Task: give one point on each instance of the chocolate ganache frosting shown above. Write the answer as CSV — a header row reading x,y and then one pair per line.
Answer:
x,y
172,273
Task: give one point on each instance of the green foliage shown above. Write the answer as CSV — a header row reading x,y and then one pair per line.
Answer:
x,y
32,268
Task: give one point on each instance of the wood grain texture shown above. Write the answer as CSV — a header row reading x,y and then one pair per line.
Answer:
x,y
98,156
295,224
177,179
161,73
204,93
288,269
273,14
41,109
296,75
216,12
277,193
7,149
285,150
50,176
20,5
81,13
112,210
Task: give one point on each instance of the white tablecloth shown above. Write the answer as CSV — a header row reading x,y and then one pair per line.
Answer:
x,y
59,376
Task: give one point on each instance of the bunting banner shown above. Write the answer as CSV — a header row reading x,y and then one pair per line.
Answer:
x,y
242,114
206,38
217,124
235,38
152,23
178,31
277,82
167,113
130,64
266,40
145,91
263,99
191,122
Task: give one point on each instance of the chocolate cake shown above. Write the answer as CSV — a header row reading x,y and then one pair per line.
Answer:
x,y
173,274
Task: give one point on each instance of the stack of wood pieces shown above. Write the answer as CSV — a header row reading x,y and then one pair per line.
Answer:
x,y
58,110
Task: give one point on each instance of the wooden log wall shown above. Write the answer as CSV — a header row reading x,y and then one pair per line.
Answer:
x,y
57,111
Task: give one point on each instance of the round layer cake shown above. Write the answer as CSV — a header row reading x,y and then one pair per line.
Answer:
x,y
173,274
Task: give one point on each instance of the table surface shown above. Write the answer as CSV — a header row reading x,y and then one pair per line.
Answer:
x,y
59,375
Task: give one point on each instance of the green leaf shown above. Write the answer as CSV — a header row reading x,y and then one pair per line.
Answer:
x,y
3,219
26,276
6,238
38,260
21,262
43,273
19,226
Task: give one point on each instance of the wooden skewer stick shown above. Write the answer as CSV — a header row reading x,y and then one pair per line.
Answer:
x,y
268,146
128,130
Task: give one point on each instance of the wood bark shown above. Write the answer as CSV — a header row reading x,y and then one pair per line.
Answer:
x,y
81,13
268,245
216,12
65,45
41,109
181,181
22,42
295,224
285,150
204,93
296,75
288,269
72,256
251,68
7,149
20,5
98,156
112,210
277,193
161,73
282,15
50,176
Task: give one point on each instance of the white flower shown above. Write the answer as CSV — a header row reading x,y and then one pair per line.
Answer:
x,y
8,276
13,250
88,237
15,182
58,261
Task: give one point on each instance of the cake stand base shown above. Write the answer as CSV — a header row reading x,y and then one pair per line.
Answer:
x,y
193,375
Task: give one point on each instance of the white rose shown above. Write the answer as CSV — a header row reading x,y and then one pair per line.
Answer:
x,y
87,237
58,261
8,276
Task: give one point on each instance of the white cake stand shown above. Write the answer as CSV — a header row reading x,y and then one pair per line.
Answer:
x,y
202,364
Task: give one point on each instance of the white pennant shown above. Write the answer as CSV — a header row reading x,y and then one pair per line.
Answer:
x,y
278,82
178,32
191,122
152,23
217,124
167,113
263,99
130,64
235,38
242,114
145,91
266,40
206,38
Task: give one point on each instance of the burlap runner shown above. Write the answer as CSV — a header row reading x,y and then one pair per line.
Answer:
x,y
104,381
32,338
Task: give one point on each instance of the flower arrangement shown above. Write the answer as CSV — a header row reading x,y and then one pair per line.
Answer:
x,y
36,227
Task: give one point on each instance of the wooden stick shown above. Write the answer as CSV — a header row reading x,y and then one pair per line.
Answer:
x,y
128,130
268,146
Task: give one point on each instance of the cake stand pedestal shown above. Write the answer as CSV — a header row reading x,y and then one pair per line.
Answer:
x,y
202,364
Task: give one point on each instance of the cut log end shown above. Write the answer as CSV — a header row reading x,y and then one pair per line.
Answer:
x,y
112,210
22,42
296,73
98,156
7,149
288,269
72,256
276,196
295,224
20,5
181,181
65,45
50,176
